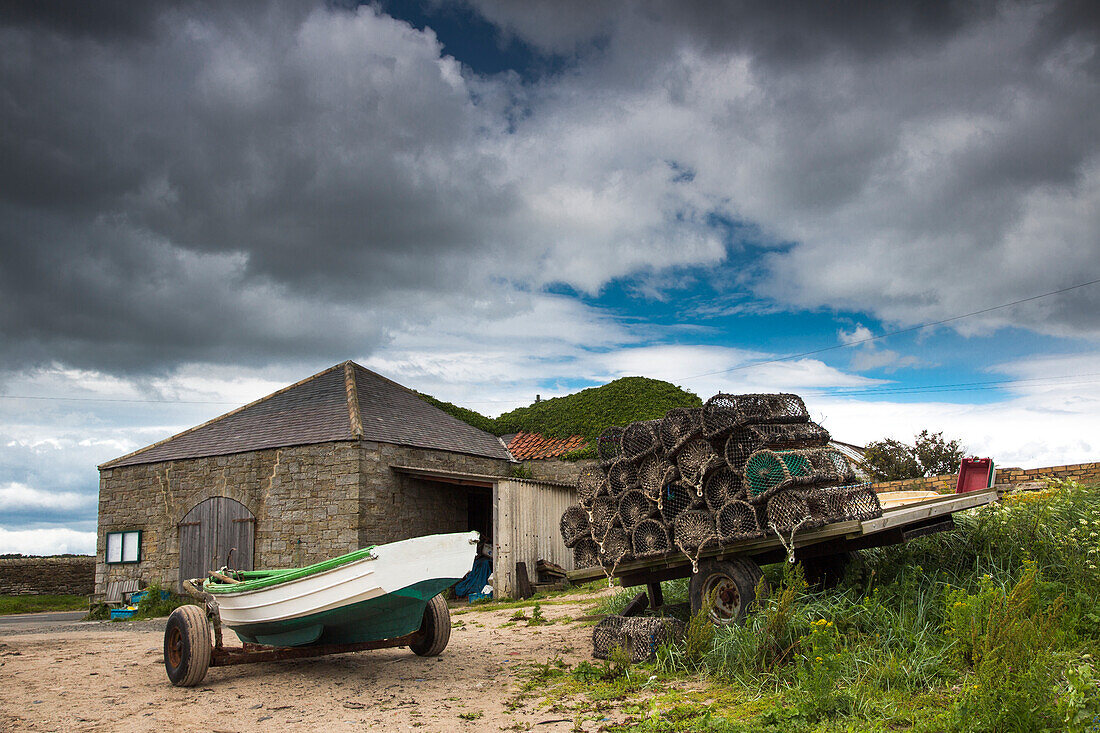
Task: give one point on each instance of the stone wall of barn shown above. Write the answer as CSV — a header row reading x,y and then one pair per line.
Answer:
x,y
305,500
396,506
555,469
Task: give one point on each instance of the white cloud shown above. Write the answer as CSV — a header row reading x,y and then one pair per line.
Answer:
x,y
20,497
47,542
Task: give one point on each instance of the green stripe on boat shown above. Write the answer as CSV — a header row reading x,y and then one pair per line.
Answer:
x,y
257,579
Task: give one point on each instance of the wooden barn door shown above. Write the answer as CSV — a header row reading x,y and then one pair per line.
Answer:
x,y
209,531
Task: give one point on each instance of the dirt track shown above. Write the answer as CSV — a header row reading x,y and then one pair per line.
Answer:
x,y
107,679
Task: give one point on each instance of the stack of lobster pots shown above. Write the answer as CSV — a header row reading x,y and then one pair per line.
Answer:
x,y
737,468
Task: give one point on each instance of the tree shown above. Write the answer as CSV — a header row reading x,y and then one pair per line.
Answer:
x,y
931,455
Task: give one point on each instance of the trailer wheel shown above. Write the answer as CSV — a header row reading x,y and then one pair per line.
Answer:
x,y
187,646
731,584
826,571
435,629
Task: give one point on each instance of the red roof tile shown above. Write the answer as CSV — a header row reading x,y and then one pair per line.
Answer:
x,y
532,446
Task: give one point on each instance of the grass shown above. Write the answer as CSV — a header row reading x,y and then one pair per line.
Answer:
x,y
38,603
992,627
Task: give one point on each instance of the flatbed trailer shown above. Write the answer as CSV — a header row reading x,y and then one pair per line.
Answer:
x,y
730,573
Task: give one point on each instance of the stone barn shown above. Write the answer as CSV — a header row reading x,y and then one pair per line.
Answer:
x,y
341,460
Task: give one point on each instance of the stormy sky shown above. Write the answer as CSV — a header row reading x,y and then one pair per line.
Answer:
x,y
203,202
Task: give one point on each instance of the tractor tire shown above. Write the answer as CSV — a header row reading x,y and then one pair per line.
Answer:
x,y
732,585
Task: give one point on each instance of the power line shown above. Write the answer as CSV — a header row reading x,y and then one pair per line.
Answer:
x,y
888,334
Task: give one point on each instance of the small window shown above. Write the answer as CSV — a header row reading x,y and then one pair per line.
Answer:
x,y
124,546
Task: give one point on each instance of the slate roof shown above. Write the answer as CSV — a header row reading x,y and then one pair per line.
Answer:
x,y
532,446
344,402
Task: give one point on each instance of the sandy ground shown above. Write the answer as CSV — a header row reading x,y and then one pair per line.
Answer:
x,y
95,677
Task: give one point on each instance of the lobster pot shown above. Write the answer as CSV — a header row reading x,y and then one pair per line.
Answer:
x,y
724,412
817,466
608,445
861,502
615,547
675,499
679,426
721,486
634,506
650,539
621,477
787,511
606,635
603,515
574,525
737,521
747,439
828,503
765,472
591,482
642,636
694,459
586,553
694,529
641,439
654,474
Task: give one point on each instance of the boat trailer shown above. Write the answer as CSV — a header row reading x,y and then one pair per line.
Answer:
x,y
188,651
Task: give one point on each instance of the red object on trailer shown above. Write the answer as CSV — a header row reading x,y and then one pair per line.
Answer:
x,y
974,474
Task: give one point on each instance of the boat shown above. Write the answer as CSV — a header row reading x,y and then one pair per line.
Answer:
x,y
374,593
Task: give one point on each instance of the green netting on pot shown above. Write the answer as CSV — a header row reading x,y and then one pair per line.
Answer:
x,y
615,547
621,476
650,539
591,482
641,439
817,466
679,426
692,459
608,445
606,635
737,520
602,516
747,439
721,486
677,497
642,636
634,506
574,525
586,553
787,512
654,474
767,471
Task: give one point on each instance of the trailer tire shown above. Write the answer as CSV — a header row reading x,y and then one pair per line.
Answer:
x,y
435,629
187,647
826,571
731,583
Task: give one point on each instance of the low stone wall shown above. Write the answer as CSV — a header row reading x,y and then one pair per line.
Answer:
x,y
1080,472
47,576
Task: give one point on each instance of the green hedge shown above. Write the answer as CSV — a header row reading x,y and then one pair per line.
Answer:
x,y
586,413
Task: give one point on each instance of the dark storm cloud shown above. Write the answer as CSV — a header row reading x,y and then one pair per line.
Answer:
x,y
228,183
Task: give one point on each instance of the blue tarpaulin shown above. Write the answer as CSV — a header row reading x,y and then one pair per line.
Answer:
x,y
476,579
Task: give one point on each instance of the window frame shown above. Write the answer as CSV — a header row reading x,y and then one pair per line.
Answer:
x,y
121,534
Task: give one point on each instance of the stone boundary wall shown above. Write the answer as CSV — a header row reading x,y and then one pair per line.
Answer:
x,y
34,576
1080,472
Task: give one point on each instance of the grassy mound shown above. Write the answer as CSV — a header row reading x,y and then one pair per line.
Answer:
x,y
586,413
